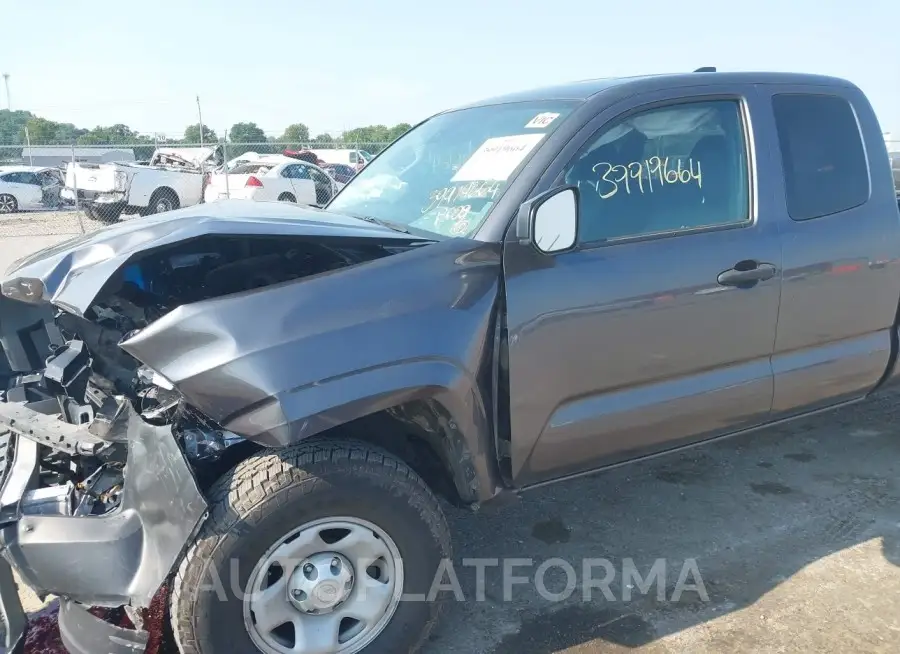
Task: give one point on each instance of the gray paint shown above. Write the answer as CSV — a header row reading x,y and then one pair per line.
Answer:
x,y
74,271
336,347
123,556
84,633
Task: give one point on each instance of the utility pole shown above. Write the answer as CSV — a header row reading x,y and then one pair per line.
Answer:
x,y
200,116
6,84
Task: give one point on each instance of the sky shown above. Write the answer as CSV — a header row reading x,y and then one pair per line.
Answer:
x,y
344,63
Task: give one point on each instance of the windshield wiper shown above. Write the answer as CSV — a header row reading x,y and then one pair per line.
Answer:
x,y
397,227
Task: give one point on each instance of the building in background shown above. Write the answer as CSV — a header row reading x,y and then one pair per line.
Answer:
x,y
58,155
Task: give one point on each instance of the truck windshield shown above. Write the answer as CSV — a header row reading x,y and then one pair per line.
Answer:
x,y
444,176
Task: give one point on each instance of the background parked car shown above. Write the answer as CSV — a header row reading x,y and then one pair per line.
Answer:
x,y
343,173
356,158
29,187
304,155
279,178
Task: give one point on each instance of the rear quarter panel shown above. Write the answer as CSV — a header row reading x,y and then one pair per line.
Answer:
x,y
187,185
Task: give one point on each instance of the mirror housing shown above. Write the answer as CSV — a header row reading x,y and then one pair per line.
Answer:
x,y
549,222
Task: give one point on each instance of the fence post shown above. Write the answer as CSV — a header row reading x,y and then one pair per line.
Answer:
x,y
225,165
75,191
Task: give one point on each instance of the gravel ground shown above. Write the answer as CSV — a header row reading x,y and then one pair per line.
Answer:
x,y
795,532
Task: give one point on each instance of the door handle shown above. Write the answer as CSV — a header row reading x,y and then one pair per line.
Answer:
x,y
746,274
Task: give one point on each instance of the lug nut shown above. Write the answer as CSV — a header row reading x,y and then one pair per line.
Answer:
x,y
308,568
297,593
336,563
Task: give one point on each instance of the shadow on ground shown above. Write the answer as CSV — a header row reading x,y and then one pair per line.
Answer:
x,y
791,528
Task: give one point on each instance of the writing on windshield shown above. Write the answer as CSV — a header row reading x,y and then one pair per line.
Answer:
x,y
446,175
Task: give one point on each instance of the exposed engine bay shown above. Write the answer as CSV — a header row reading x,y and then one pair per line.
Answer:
x,y
78,372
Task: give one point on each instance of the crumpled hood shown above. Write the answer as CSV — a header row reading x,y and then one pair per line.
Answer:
x,y
73,272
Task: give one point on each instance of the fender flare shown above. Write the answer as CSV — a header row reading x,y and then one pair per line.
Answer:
x,y
302,412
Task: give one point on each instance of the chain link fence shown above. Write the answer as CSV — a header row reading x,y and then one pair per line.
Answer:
x,y
33,176
34,200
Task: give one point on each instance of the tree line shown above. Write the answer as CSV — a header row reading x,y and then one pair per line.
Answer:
x,y
41,131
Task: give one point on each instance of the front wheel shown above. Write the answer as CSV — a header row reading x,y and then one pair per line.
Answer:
x,y
326,548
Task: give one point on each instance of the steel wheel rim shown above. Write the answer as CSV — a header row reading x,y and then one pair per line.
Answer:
x,y
162,205
7,204
300,572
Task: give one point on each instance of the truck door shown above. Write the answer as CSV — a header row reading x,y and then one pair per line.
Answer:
x,y
841,235
657,329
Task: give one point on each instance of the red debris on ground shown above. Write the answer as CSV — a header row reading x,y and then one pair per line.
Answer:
x,y
43,627
43,632
155,622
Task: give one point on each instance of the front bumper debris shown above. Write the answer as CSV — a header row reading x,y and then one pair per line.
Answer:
x,y
82,631
13,614
120,558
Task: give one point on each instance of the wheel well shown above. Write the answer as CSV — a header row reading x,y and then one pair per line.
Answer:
x,y
165,190
420,433
415,432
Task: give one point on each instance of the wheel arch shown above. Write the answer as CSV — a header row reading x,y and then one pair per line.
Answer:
x,y
431,414
167,190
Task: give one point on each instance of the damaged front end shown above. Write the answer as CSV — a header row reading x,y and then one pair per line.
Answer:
x,y
97,502
103,460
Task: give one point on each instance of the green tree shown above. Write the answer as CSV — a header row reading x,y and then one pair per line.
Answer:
x,y
367,135
192,134
12,126
117,134
324,139
246,133
374,138
40,131
295,134
397,131
67,133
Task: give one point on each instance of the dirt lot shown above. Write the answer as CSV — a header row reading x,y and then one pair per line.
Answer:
x,y
795,532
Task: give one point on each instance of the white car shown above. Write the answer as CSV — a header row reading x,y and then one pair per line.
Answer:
x,y
273,179
28,187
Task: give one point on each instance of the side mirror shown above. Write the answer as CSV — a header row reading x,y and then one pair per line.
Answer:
x,y
554,220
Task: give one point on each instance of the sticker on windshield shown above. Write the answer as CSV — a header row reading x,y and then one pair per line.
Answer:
x,y
542,120
497,158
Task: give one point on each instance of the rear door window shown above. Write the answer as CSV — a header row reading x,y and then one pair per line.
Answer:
x,y
825,167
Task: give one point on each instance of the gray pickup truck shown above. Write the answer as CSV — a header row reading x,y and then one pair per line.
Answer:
x,y
257,410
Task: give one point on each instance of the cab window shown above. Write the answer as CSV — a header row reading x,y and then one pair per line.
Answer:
x,y
825,168
664,170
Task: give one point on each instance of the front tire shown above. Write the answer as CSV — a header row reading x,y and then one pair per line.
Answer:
x,y
282,524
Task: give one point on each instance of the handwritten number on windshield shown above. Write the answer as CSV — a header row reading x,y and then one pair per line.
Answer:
x,y
640,176
448,195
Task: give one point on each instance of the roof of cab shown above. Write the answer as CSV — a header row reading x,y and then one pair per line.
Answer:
x,y
586,89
